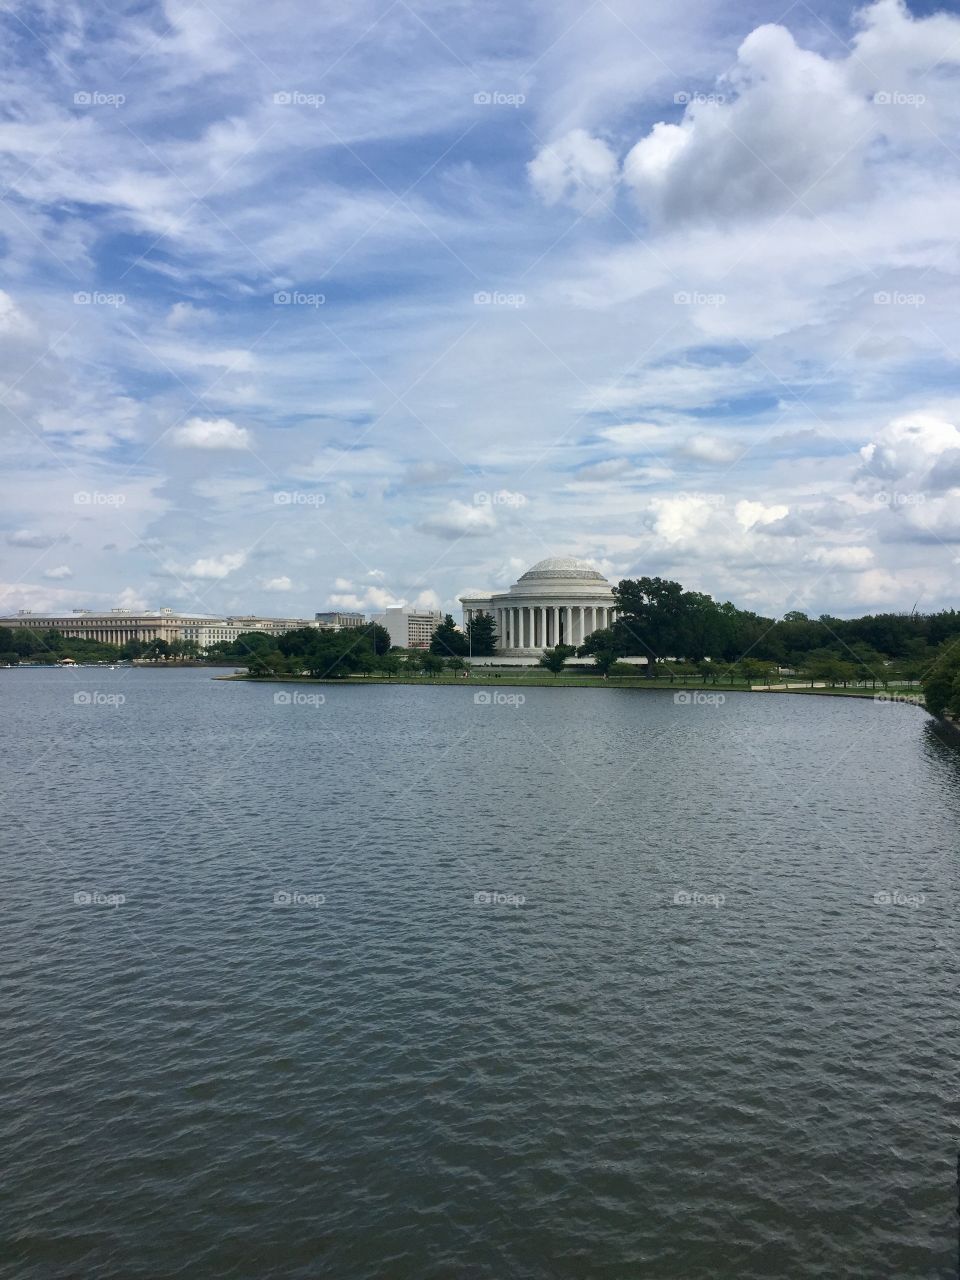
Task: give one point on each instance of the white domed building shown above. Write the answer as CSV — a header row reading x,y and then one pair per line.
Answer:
x,y
557,601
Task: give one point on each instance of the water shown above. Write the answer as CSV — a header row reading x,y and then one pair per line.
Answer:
x,y
403,1082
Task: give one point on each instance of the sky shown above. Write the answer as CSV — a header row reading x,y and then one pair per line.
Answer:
x,y
309,306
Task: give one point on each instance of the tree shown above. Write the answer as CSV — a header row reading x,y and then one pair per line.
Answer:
x,y
482,635
941,685
156,649
431,664
605,646
391,663
447,640
378,636
555,659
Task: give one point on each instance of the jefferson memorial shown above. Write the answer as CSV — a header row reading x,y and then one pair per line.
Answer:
x,y
558,601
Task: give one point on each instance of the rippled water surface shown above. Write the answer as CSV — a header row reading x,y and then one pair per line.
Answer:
x,y
387,1078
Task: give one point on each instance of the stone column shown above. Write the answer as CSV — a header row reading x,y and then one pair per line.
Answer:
x,y
568,625
556,624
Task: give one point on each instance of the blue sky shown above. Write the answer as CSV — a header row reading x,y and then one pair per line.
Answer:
x,y
306,306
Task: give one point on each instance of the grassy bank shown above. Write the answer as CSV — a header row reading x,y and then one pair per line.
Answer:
x,y
537,679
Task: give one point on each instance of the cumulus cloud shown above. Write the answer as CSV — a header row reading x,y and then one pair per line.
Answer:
x,y
749,514
576,169
460,520
211,433
794,132
277,584
60,571
213,566
785,128
843,557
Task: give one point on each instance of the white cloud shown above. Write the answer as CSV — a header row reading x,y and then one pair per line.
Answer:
x,y
749,514
842,557
61,571
277,584
459,519
213,566
576,169
211,433
709,448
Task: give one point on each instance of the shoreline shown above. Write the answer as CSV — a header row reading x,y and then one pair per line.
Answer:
x,y
514,681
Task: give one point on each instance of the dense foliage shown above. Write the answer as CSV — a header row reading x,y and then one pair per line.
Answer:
x,y
941,685
659,619
20,644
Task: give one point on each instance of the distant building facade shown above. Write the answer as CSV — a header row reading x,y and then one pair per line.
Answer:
x,y
410,628
341,620
118,626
